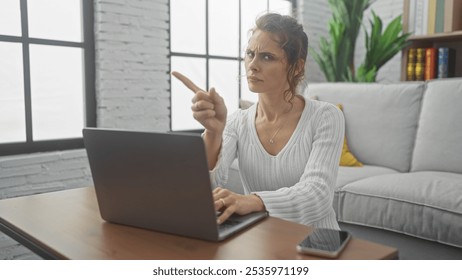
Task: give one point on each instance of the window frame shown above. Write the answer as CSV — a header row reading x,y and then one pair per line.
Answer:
x,y
31,146
209,57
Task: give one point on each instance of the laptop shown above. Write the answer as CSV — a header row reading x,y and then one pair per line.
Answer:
x,y
157,181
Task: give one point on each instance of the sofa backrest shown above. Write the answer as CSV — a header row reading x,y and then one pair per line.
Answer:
x,y
438,144
380,119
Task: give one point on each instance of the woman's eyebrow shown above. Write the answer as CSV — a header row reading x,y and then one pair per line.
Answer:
x,y
261,51
271,54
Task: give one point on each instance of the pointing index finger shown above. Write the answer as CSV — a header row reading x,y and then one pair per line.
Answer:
x,y
187,82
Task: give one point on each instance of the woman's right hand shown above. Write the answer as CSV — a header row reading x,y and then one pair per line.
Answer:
x,y
208,108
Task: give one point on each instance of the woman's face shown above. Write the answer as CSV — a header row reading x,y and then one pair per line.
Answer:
x,y
266,64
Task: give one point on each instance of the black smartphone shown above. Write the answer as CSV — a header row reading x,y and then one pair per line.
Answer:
x,y
324,242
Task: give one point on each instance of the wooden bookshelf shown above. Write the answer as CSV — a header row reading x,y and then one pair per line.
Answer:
x,y
451,38
444,37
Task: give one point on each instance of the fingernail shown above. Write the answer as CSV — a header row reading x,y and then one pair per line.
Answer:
x,y
218,221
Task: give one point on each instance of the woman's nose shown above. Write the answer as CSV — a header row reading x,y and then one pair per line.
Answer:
x,y
253,64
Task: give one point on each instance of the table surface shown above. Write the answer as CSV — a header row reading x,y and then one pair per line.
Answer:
x,y
67,225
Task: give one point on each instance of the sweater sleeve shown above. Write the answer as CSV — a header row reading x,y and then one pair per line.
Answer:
x,y
228,151
310,199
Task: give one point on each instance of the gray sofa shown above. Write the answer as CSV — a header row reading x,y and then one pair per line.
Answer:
x,y
408,135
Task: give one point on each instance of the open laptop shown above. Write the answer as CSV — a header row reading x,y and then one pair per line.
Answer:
x,y
157,181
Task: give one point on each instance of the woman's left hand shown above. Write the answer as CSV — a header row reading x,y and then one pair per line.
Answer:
x,y
228,203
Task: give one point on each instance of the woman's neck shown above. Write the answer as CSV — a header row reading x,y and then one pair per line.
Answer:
x,y
272,109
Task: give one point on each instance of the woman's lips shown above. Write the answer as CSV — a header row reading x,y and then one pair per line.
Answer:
x,y
253,79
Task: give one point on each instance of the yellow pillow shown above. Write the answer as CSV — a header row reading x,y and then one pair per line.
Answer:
x,y
347,158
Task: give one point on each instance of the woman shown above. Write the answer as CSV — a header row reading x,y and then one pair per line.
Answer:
x,y
288,147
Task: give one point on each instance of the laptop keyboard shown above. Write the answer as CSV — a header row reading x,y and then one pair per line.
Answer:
x,y
228,224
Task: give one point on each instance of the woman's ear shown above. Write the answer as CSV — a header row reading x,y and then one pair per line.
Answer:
x,y
300,66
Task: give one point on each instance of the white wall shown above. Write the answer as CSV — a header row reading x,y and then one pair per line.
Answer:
x,y
315,15
132,64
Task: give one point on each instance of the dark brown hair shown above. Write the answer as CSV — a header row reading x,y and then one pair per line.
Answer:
x,y
293,40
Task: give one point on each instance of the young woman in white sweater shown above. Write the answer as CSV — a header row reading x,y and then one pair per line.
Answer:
x,y
288,147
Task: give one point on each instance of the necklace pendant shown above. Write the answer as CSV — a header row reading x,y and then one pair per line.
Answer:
x,y
271,141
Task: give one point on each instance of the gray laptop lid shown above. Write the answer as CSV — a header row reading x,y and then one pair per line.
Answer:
x,y
158,181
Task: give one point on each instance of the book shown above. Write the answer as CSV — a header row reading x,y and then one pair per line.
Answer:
x,y
439,16
410,67
419,18
431,63
446,62
420,64
425,18
453,15
411,22
406,16
431,16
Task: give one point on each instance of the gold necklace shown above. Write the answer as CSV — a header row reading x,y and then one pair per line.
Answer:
x,y
271,140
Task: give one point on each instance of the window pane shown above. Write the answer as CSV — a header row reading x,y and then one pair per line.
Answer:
x,y
282,7
57,92
246,94
250,11
223,76
224,27
194,69
10,18
55,19
187,26
12,116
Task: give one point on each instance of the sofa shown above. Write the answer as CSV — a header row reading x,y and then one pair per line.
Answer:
x,y
408,138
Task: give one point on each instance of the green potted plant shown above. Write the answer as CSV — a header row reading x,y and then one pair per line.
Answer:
x,y
336,55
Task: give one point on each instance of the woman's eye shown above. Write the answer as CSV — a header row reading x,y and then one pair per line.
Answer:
x,y
263,56
267,57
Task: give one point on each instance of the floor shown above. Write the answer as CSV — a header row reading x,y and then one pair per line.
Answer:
x,y
410,248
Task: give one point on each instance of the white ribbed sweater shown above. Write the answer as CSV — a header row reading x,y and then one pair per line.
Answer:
x,y
298,183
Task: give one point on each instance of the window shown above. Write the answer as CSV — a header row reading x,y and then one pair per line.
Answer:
x,y
207,40
47,90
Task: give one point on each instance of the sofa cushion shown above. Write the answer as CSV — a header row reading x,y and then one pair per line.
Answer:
x,y
439,136
380,119
347,175
347,158
423,204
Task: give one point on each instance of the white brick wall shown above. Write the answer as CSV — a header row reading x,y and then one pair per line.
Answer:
x,y
315,17
43,172
132,64
38,173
